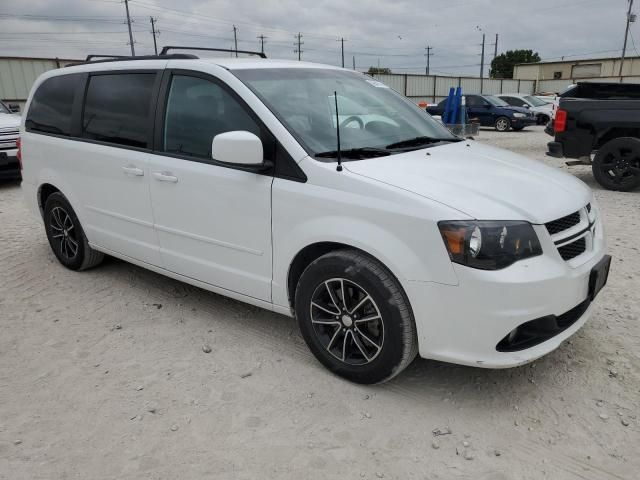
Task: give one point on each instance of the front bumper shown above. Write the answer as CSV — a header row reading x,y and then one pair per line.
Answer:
x,y
523,122
464,324
9,164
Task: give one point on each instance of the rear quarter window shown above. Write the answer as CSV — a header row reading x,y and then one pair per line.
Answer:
x,y
52,104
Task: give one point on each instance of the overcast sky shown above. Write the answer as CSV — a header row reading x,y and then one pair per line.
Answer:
x,y
394,34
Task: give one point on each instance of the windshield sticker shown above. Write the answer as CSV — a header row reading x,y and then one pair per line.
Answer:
x,y
375,83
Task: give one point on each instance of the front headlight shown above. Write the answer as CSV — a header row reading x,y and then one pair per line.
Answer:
x,y
520,115
489,245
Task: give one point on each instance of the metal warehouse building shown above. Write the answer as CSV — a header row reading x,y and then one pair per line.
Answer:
x,y
578,69
17,75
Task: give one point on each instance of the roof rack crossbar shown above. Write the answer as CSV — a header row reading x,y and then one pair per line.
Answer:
x,y
226,50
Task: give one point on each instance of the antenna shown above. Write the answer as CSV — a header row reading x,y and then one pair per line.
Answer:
x,y
339,167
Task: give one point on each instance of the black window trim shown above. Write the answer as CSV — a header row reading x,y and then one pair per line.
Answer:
x,y
150,114
159,99
159,126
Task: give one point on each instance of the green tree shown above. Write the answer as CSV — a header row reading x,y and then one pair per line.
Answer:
x,y
378,70
502,65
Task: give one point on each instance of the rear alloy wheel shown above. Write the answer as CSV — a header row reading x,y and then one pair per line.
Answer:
x,y
616,166
65,235
355,317
502,124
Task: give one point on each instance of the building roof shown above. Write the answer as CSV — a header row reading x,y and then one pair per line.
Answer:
x,y
578,60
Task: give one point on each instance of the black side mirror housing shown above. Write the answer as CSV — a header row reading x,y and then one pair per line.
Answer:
x,y
14,107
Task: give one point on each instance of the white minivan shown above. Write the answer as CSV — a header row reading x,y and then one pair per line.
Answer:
x,y
395,240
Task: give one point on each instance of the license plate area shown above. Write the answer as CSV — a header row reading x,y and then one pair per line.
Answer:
x,y
598,276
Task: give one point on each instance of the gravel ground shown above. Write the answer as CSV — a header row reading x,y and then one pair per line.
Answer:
x,y
103,376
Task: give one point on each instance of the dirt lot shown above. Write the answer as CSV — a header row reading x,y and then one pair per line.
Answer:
x,y
103,376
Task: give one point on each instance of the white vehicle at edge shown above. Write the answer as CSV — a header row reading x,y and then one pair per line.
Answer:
x,y
543,110
223,173
9,125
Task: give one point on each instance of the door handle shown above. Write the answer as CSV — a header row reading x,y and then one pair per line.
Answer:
x,y
134,171
165,177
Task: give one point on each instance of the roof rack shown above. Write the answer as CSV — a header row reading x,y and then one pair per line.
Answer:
x,y
226,50
125,58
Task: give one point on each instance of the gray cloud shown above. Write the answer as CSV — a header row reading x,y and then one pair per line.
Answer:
x,y
393,33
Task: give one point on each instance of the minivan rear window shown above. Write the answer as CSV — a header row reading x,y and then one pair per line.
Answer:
x,y
52,104
117,109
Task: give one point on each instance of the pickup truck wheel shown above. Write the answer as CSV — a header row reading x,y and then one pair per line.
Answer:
x,y
502,124
616,166
65,235
355,317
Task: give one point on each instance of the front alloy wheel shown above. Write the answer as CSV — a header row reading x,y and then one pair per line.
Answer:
x,y
347,321
355,317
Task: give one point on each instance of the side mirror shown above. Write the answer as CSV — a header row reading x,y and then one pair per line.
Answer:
x,y
14,107
238,148
526,105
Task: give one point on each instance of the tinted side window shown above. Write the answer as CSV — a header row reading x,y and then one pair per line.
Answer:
x,y
51,106
198,110
473,101
117,108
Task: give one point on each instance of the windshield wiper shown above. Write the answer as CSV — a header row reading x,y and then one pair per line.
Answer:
x,y
417,141
362,152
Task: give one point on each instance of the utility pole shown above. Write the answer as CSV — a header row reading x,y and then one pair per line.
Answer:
x,y
630,18
298,45
428,55
262,39
342,50
154,32
482,65
495,47
482,58
133,50
354,62
235,39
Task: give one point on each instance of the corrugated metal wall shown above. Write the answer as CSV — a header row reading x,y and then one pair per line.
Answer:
x,y
431,88
17,75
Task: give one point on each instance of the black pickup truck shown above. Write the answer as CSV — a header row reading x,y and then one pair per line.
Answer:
x,y
601,119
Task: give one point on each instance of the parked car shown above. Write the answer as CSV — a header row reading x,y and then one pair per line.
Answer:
x,y
383,234
602,120
9,125
492,111
541,109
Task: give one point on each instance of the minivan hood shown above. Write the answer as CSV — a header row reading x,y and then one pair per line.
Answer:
x,y
9,120
481,181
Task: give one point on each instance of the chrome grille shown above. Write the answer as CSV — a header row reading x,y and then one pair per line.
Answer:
x,y
572,250
562,224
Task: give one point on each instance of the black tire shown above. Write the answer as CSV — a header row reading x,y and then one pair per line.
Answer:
x,y
616,166
372,350
502,124
517,129
65,235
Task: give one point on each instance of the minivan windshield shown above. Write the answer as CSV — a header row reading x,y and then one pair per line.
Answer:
x,y
374,119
